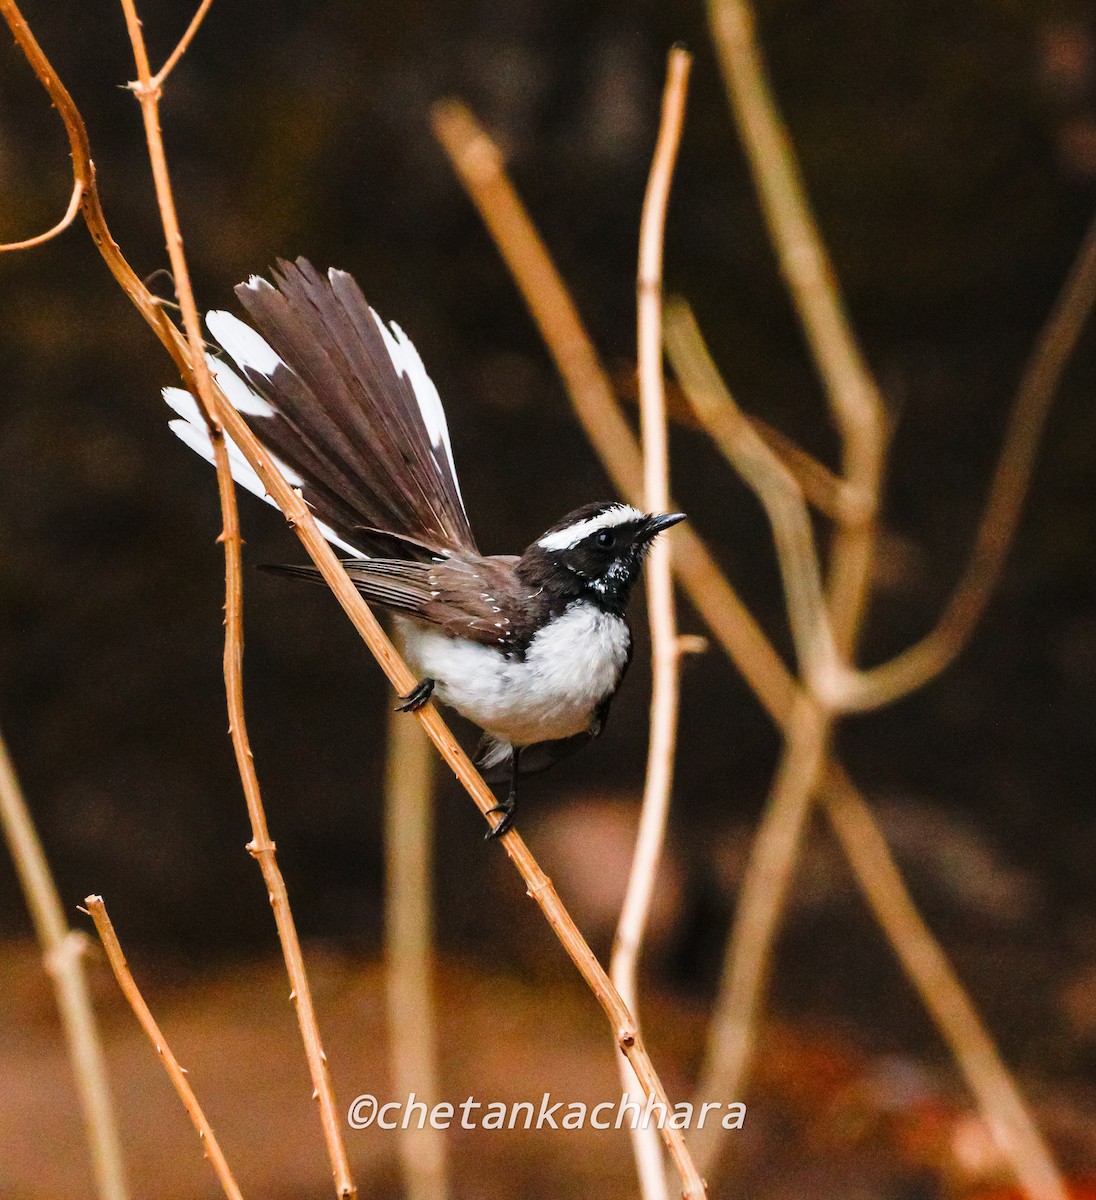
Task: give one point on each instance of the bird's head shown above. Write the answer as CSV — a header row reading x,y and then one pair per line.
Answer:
x,y
597,550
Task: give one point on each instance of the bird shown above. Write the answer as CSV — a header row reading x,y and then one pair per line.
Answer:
x,y
532,647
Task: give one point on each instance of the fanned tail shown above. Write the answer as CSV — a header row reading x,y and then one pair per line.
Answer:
x,y
345,406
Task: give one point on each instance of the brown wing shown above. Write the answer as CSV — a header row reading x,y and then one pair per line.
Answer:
x,y
349,407
481,599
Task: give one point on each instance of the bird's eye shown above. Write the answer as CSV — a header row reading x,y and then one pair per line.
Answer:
x,y
605,539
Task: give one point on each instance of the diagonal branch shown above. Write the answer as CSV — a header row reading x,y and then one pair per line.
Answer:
x,y
665,649
161,75
211,1148
62,955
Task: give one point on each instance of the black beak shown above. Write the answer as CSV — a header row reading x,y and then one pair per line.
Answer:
x,y
657,523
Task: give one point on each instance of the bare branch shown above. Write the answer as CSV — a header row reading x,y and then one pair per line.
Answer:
x,y
940,989
161,75
774,486
1011,483
665,653
62,956
261,846
478,163
412,1040
758,911
41,238
854,398
211,1148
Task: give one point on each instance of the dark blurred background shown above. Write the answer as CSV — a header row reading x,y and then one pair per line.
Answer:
x,y
950,151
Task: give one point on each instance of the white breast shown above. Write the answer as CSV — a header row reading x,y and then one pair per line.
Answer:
x,y
571,665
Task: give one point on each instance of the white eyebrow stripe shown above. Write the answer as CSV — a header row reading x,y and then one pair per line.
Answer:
x,y
569,538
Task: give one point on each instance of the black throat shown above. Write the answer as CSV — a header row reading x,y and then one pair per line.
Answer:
x,y
563,579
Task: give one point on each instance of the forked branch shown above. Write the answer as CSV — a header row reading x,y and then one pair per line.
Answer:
x,y
478,163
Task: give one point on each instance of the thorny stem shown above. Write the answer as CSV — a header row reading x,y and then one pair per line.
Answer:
x,y
665,650
211,1148
261,845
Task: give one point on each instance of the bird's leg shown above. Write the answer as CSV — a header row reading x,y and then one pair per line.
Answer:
x,y
416,697
506,807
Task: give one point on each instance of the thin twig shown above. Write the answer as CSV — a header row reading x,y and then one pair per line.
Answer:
x,y
1011,482
478,163
409,934
261,846
60,227
775,487
361,617
853,395
62,956
161,75
773,854
758,910
210,1146
665,654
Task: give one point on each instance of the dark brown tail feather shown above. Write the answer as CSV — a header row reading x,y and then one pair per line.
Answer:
x,y
346,420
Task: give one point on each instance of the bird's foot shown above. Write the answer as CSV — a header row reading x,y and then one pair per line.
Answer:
x,y
507,810
416,697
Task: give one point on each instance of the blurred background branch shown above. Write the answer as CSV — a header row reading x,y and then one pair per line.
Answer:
x,y
63,958
409,948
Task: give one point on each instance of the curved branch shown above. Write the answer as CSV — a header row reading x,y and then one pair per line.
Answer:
x,y
41,238
1008,491
776,488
